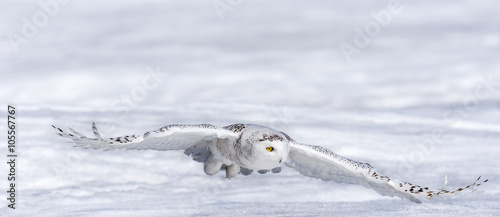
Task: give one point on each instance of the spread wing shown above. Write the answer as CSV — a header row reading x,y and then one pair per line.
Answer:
x,y
193,138
321,163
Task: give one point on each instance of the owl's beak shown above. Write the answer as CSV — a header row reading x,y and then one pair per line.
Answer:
x,y
281,159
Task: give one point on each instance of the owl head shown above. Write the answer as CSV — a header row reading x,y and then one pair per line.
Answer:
x,y
264,148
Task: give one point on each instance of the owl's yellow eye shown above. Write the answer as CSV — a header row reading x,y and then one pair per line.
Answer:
x,y
269,149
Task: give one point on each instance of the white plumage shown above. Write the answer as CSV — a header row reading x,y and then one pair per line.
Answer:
x,y
242,148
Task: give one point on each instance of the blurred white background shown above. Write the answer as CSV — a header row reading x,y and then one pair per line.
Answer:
x,y
133,66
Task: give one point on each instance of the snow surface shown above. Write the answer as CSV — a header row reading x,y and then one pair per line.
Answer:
x,y
275,63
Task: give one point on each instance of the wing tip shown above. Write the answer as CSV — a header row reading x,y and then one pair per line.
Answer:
x,y
96,131
61,132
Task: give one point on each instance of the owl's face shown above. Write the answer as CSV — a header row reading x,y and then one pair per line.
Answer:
x,y
266,148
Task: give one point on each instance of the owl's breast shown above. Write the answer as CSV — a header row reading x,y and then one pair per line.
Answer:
x,y
225,151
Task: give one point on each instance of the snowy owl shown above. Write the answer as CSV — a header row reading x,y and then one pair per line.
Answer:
x,y
242,148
